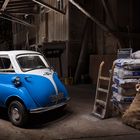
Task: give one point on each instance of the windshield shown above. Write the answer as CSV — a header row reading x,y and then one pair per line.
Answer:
x,y
31,62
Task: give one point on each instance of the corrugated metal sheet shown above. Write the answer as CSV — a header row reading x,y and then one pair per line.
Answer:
x,y
54,27
20,35
57,23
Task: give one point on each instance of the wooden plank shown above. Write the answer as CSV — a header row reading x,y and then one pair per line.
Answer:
x,y
101,102
22,12
83,52
44,4
12,18
22,7
94,19
102,26
5,5
104,78
102,90
20,3
107,10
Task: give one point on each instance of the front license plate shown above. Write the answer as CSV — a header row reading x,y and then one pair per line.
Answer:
x,y
56,98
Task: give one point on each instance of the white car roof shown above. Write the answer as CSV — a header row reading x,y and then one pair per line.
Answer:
x,y
18,52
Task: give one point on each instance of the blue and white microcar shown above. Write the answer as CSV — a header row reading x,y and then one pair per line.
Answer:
x,y
28,85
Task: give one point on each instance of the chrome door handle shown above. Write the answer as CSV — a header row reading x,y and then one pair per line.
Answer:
x,y
27,78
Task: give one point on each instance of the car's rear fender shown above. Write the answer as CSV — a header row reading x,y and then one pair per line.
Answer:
x,y
23,96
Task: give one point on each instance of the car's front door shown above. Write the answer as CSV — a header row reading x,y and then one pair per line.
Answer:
x,y
6,74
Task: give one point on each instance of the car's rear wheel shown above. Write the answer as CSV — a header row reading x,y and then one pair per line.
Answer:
x,y
17,114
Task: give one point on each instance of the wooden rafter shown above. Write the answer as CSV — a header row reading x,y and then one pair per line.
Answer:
x,y
4,5
107,10
95,20
20,4
22,12
12,18
20,7
44,4
102,26
15,6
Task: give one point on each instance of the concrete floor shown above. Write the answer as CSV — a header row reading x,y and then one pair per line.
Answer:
x,y
76,122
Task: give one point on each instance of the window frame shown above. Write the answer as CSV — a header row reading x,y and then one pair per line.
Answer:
x,y
6,70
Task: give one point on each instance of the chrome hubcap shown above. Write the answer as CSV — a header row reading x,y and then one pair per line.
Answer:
x,y
15,114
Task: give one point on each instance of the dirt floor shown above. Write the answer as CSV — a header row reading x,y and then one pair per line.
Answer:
x,y
76,122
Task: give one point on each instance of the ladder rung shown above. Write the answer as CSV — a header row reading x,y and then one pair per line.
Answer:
x,y
104,78
98,115
102,90
101,102
101,108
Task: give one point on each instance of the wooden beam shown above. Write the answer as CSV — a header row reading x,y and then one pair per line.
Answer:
x,y
44,4
102,26
4,5
95,20
12,18
20,7
22,12
21,3
126,35
80,69
107,10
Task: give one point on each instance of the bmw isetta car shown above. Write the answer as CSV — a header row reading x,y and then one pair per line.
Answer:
x,y
28,85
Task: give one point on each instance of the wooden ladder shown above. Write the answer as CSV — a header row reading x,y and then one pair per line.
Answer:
x,y
101,106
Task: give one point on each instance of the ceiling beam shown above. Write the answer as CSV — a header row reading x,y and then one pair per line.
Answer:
x,y
126,35
18,13
20,4
44,4
102,26
12,18
108,13
96,21
4,5
20,7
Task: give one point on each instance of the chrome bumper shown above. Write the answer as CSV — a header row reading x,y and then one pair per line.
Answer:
x,y
44,109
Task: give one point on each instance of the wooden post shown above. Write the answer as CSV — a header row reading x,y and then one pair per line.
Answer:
x,y
83,53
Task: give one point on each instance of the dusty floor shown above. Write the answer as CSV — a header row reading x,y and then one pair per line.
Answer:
x,y
74,123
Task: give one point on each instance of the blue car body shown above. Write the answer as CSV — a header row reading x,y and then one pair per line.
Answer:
x,y
39,89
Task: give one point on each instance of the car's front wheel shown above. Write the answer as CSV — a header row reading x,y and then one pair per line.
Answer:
x,y
17,114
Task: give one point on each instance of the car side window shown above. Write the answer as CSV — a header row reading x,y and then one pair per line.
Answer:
x,y
5,64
